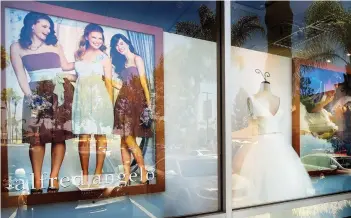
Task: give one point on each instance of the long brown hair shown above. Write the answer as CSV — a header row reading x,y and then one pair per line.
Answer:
x,y
31,19
84,43
119,60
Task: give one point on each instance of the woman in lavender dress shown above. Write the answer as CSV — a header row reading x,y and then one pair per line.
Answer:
x,y
132,99
38,53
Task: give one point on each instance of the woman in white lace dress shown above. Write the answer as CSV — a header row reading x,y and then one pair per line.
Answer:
x,y
93,98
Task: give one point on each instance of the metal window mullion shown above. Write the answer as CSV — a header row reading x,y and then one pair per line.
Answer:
x,y
224,122
227,108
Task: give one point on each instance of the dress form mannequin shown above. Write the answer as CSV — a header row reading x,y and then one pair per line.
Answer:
x,y
266,98
270,165
267,101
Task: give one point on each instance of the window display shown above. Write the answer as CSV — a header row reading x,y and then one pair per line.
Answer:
x,y
310,73
270,165
263,157
143,109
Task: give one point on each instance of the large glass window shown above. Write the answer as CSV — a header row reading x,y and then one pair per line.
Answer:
x,y
290,100
123,108
110,109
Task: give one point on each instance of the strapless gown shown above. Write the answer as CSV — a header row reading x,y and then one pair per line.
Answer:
x,y
271,168
92,107
52,125
130,103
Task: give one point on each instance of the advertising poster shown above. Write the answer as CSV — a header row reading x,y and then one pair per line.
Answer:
x,y
81,105
321,117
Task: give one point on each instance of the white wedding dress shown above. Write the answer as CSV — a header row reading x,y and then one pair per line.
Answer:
x,y
271,167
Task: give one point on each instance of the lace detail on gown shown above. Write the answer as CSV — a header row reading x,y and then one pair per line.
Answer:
x,y
92,107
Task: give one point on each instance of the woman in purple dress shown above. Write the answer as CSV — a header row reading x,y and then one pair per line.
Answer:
x,y
132,99
38,52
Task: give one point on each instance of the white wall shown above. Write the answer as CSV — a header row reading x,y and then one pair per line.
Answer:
x,y
190,73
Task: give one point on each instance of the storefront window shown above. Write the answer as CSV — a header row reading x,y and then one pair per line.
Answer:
x,y
290,100
109,109
123,108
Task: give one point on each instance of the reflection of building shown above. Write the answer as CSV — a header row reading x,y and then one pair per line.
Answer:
x,y
207,122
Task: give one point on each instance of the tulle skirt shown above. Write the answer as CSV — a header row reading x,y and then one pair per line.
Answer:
x,y
273,172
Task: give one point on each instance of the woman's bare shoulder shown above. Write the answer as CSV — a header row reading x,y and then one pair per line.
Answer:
x,y
56,48
138,58
103,57
16,47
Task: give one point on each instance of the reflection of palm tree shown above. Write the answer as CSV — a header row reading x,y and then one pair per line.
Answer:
x,y
4,58
335,22
207,30
243,30
329,30
6,96
306,93
15,123
305,86
9,96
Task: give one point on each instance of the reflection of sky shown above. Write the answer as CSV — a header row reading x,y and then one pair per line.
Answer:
x,y
163,14
322,80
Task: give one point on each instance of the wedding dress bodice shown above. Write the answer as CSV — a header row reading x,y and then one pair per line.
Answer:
x,y
267,122
270,177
